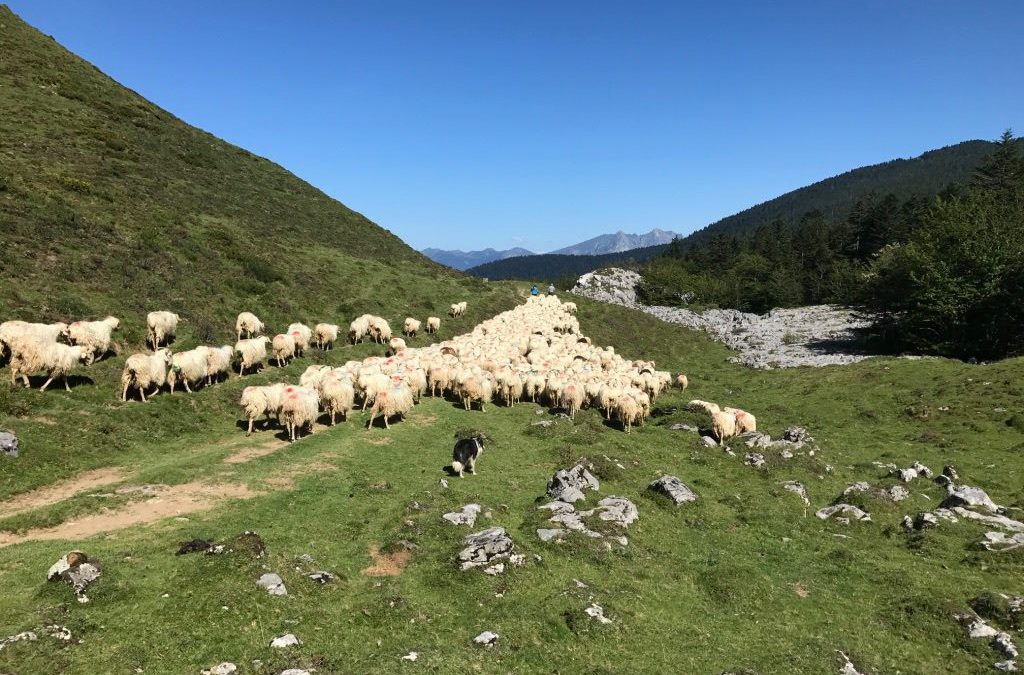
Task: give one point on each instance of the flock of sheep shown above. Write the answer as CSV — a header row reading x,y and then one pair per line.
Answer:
x,y
534,351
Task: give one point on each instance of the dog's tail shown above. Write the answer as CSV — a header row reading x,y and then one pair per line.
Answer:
x,y
457,466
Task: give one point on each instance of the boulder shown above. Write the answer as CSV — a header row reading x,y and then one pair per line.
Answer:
x,y
797,435
483,548
569,485
286,640
273,583
674,489
77,570
8,444
596,612
846,509
226,668
617,510
966,496
467,516
754,459
487,639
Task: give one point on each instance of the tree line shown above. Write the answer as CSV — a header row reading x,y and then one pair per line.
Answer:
x,y
943,275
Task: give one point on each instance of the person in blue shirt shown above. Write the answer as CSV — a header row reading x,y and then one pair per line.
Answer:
x,y
534,291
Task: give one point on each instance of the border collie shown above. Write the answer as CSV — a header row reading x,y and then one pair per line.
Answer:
x,y
466,452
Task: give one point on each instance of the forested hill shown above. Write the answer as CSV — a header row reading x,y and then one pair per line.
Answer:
x,y
109,204
834,197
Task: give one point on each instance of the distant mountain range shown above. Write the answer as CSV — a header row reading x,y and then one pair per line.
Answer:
x,y
463,260
617,243
604,244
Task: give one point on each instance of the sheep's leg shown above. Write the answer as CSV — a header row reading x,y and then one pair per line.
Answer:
x,y
251,421
46,384
142,393
67,387
124,393
386,425
370,423
187,388
332,417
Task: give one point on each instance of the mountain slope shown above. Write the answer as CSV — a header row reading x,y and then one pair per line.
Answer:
x,y
926,175
110,204
618,242
548,267
463,260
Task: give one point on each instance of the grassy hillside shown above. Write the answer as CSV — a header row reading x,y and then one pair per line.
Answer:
x,y
746,579
548,267
834,197
110,204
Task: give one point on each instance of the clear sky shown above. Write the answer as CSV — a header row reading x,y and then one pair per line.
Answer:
x,y
540,124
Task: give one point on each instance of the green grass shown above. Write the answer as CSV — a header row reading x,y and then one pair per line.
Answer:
x,y
706,587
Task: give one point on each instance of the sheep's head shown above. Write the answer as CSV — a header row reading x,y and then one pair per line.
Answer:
x,y
165,355
112,321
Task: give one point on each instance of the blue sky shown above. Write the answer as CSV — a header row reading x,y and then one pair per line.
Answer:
x,y
539,124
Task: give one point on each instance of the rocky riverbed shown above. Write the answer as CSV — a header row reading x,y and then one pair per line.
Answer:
x,y
818,335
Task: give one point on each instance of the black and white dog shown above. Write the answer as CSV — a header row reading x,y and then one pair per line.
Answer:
x,y
466,452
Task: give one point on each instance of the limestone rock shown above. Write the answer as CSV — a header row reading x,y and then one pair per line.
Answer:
x,y
484,548
487,639
77,570
847,509
272,583
467,516
569,485
674,489
964,495
286,640
8,444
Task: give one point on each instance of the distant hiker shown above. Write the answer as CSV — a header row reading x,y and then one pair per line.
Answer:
x,y
551,289
534,291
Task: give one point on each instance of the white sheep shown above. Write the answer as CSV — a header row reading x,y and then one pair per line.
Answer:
x,y
261,400
359,328
192,366
396,345
433,324
300,406
145,370
218,363
248,325
326,335
703,406
457,309
411,326
682,382
162,327
380,331
337,394
394,400
283,348
39,332
302,335
252,352
95,336
53,358
723,425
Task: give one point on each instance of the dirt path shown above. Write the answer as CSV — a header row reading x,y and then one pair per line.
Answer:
x,y
255,452
58,492
174,500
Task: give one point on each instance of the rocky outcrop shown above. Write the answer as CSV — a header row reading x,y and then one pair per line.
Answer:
x,y
817,335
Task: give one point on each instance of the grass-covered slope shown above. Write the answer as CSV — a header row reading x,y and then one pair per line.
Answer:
x,y
110,204
746,577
